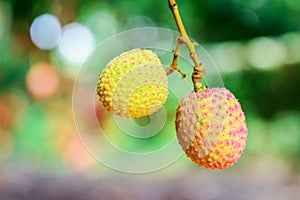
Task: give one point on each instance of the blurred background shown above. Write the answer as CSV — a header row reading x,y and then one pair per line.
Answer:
x,y
256,45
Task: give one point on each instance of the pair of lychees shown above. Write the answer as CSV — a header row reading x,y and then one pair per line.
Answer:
x,y
210,124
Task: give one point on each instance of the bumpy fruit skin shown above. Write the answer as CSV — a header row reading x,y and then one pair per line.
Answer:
x,y
134,84
211,128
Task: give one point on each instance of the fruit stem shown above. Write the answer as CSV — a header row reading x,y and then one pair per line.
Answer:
x,y
174,66
184,39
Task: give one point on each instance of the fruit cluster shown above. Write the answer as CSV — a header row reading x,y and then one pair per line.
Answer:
x,y
210,124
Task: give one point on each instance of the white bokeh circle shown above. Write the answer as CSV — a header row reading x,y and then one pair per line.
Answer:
x,y
100,139
76,43
45,31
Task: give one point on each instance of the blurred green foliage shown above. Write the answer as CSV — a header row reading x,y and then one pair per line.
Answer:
x,y
270,98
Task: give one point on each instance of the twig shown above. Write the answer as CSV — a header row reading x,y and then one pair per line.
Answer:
x,y
174,66
184,39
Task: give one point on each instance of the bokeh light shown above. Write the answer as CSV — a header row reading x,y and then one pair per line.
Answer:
x,y
5,115
257,142
228,56
75,156
102,24
266,53
45,31
285,131
42,80
292,41
76,43
140,21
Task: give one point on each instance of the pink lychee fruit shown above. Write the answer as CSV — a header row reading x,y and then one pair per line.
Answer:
x,y
211,128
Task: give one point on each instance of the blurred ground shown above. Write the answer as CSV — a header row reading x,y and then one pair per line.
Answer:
x,y
197,185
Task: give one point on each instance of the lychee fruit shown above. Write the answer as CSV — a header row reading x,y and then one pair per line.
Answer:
x,y
211,128
134,84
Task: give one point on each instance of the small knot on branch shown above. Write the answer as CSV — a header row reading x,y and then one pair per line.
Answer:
x,y
170,69
172,5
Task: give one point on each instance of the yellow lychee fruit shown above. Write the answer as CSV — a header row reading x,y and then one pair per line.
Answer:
x,y
211,128
134,84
